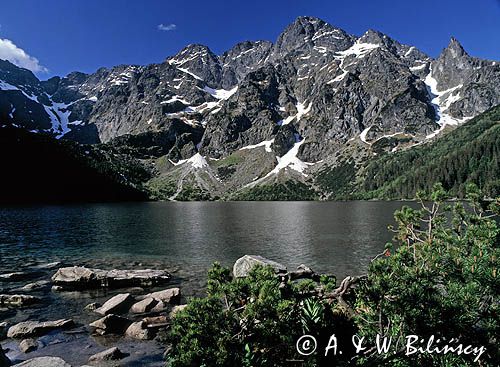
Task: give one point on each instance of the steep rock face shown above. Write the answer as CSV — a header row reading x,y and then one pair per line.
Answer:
x,y
473,84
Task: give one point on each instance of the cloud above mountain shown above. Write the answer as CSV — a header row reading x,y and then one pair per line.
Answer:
x,y
10,52
167,27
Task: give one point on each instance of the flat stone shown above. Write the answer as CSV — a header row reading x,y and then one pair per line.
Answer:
x,y
78,277
111,354
110,324
44,362
244,264
156,322
171,295
139,330
28,345
34,328
146,305
18,300
118,304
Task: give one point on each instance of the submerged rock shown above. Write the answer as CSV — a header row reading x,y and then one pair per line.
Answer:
x,y
118,304
244,264
111,354
44,362
110,324
78,277
28,345
35,285
17,300
34,328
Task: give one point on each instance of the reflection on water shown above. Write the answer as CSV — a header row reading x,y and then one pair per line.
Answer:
x,y
334,237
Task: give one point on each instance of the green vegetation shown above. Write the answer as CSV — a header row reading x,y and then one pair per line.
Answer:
x,y
289,190
438,277
469,154
161,188
338,181
193,193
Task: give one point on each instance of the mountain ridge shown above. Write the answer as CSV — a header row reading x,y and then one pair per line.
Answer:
x,y
283,109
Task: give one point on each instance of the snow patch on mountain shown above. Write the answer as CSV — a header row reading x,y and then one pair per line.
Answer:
x,y
266,144
220,93
441,101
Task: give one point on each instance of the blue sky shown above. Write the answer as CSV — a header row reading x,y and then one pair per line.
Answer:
x,y
84,35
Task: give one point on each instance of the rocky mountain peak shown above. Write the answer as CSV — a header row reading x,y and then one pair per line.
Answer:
x,y
454,50
305,33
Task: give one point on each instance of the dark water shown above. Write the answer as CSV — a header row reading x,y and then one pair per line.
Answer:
x,y
184,238
334,237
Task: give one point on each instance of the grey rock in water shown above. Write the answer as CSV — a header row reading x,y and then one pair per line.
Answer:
x,y
146,305
28,345
78,277
139,330
18,300
44,362
111,354
110,324
171,296
33,328
244,264
117,305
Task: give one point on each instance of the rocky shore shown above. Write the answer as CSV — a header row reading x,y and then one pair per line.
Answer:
x,y
123,324
130,311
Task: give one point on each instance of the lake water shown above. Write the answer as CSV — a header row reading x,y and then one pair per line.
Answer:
x,y
184,238
333,237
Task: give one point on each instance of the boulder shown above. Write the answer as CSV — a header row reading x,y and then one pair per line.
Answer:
x,y
28,345
111,354
244,264
139,330
18,300
34,328
44,362
118,304
110,324
171,295
4,361
160,307
78,277
146,305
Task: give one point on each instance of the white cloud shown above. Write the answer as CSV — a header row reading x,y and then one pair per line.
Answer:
x,y
168,27
9,51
